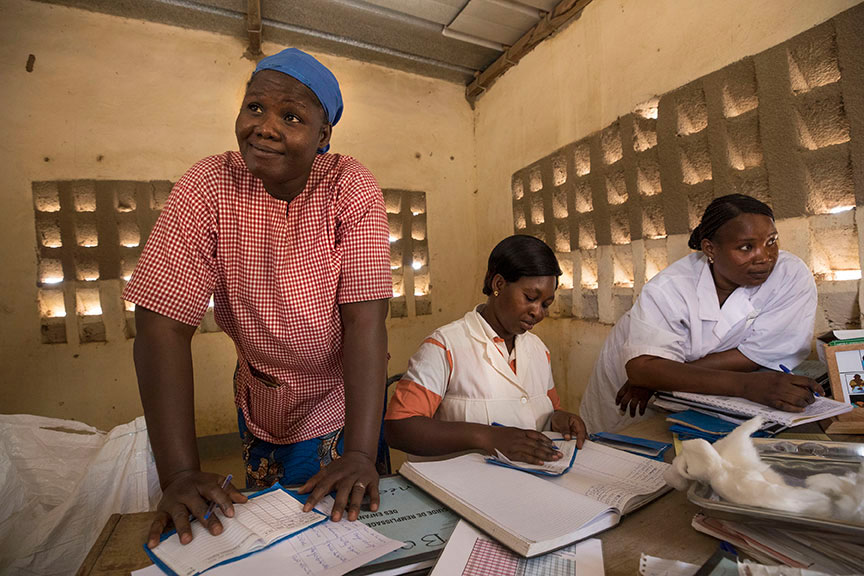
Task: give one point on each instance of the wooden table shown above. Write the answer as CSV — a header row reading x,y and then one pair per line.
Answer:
x,y
662,528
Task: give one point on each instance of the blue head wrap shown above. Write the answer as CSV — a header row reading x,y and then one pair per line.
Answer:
x,y
313,74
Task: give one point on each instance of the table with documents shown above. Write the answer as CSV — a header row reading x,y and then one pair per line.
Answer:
x,y
662,529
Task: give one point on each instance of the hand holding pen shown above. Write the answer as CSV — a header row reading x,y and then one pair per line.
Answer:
x,y
787,371
213,502
197,493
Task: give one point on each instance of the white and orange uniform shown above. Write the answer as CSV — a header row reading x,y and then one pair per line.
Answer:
x,y
463,373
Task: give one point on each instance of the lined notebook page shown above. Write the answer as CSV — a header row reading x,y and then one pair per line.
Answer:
x,y
821,408
271,515
612,476
527,505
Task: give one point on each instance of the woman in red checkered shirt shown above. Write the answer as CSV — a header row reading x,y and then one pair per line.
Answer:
x,y
292,244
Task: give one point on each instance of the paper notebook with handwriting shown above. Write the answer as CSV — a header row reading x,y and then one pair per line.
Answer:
x,y
820,409
268,517
531,514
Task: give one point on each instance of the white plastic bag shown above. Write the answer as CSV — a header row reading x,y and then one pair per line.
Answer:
x,y
60,481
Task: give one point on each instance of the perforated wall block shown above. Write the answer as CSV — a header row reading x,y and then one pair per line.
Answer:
x,y
622,262
622,301
812,58
644,133
738,89
422,306
91,329
129,325
838,305
648,174
562,307
392,201
418,227
752,182
744,145
656,258
398,307
695,159
821,118
394,223
588,271
616,186
698,198
582,194
562,236
590,309
784,126
653,224
53,330
833,244
828,179
620,224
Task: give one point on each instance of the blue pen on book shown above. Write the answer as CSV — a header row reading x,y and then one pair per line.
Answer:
x,y
213,503
787,371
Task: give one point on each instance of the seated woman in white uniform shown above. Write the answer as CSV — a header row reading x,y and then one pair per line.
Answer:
x,y
487,368
709,321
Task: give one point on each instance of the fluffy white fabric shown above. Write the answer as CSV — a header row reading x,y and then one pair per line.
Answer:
x,y
733,469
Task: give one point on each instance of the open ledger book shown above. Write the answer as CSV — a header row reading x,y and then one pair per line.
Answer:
x,y
820,409
531,514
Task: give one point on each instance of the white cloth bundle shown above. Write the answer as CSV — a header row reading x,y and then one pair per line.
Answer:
x,y
736,473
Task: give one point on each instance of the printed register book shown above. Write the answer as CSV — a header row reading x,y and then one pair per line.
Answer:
x,y
532,515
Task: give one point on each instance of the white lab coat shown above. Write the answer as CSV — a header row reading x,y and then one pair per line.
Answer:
x,y
462,365
677,316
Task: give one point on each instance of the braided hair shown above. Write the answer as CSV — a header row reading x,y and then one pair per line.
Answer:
x,y
720,211
520,255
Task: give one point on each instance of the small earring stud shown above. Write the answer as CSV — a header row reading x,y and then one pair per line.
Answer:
x,y
495,293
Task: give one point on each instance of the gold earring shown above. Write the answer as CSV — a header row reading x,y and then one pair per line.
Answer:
x,y
710,260
495,293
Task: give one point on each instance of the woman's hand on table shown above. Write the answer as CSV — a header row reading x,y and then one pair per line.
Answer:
x,y
569,425
633,397
352,476
520,445
190,493
789,392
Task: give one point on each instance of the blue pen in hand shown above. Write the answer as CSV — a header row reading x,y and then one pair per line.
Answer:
x,y
787,371
213,503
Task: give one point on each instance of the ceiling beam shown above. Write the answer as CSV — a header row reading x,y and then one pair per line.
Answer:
x,y
254,28
563,13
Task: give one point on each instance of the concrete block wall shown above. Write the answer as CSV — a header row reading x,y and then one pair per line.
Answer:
x,y
785,126
409,253
90,234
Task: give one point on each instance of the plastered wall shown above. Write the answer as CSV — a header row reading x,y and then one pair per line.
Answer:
x,y
552,123
113,99
107,98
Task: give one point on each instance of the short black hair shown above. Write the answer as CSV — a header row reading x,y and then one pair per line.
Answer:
x,y
520,255
720,211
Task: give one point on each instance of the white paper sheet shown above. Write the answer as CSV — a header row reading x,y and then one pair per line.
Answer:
x,y
653,566
582,559
328,549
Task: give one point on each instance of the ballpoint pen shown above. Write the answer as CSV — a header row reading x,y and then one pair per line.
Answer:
x,y
787,371
213,503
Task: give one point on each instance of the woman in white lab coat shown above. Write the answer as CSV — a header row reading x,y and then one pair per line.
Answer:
x,y
706,323
484,382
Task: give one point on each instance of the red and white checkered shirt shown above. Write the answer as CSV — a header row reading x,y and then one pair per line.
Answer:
x,y
277,281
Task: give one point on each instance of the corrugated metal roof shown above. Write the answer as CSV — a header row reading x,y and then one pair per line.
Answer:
x,y
448,39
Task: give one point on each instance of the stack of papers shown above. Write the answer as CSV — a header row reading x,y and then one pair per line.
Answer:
x,y
640,446
690,424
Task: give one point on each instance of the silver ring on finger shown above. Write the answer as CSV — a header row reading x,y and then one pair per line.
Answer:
x,y
360,485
